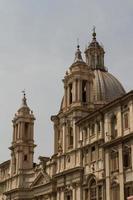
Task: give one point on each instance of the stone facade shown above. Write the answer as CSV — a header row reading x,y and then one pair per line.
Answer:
x,y
93,140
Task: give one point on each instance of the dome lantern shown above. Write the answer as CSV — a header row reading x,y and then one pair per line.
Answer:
x,y
95,54
78,56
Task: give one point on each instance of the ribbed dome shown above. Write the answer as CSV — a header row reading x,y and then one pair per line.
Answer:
x,y
106,87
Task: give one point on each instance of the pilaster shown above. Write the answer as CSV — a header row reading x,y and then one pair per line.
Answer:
x,y
121,177
107,171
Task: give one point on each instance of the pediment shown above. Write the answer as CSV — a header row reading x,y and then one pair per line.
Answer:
x,y
41,179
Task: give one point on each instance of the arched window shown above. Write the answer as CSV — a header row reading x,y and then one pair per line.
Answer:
x,y
93,61
70,93
113,127
98,60
84,97
93,190
26,130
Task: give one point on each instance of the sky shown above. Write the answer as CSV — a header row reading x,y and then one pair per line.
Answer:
x,y
38,40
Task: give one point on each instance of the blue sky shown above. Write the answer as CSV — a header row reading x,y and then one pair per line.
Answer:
x,y
37,45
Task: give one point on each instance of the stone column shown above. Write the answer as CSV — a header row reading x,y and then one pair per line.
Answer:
x,y
58,194
62,196
131,116
101,128
19,130
74,193
16,132
121,178
88,135
55,138
14,138
22,131
88,92
64,138
65,96
107,171
68,96
78,193
74,91
119,122
79,90
32,131
132,154
74,134
107,132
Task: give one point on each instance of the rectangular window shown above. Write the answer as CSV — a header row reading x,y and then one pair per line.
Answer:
x,y
114,161
127,157
126,121
115,193
93,156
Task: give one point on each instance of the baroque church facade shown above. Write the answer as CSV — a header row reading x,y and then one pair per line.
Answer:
x,y
93,140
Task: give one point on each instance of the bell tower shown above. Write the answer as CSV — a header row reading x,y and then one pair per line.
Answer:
x,y
77,102
78,83
22,149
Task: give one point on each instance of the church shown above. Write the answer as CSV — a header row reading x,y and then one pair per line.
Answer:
x,y
93,140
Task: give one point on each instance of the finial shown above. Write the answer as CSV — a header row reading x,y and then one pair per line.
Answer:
x,y
78,56
94,33
23,92
24,103
78,46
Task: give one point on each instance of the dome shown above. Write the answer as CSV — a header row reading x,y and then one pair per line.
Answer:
x,y
106,87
